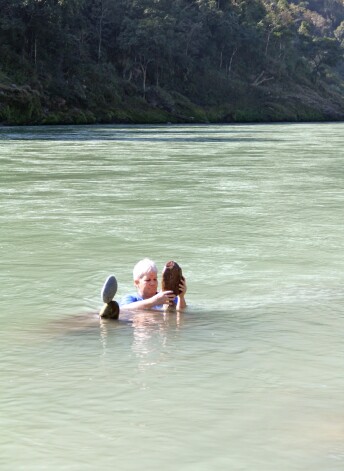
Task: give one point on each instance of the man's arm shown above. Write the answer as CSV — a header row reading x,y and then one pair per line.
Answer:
x,y
163,297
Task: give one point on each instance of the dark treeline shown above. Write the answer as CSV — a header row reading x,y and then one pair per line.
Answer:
x,y
170,60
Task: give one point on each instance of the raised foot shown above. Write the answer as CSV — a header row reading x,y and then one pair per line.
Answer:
x,y
109,289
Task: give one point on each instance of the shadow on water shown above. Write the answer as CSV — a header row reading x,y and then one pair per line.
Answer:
x,y
89,325
144,322
90,320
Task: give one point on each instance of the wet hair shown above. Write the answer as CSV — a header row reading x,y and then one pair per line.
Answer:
x,y
143,267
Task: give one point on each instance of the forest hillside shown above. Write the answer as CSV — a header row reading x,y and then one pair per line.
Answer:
x,y
178,61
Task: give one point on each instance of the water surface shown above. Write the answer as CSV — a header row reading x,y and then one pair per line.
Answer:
x,y
251,375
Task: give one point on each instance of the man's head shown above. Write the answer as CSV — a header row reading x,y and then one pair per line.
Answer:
x,y
145,278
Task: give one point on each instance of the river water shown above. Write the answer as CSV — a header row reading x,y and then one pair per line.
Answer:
x,y
251,376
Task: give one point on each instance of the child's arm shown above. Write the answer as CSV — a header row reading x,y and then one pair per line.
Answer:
x,y
181,303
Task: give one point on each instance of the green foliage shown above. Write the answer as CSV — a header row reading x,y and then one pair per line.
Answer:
x,y
130,60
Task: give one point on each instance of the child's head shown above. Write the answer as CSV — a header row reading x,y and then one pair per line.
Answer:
x,y
143,267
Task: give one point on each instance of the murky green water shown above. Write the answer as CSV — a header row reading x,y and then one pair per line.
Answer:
x,y
251,377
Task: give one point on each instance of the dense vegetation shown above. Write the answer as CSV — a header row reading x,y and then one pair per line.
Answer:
x,y
65,61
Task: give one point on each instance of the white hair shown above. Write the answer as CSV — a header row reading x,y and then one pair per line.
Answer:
x,y
143,267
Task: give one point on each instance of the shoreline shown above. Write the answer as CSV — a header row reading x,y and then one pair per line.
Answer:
x,y
25,106
165,124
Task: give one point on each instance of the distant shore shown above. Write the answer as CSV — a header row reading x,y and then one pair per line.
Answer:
x,y
22,105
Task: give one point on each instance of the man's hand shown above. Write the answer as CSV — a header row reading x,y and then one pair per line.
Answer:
x,y
163,297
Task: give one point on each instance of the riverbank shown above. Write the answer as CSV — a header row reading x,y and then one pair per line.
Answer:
x,y
25,105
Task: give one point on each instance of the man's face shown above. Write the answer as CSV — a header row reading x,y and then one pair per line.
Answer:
x,y
147,286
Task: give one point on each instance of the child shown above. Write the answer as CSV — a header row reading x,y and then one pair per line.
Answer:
x,y
147,297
